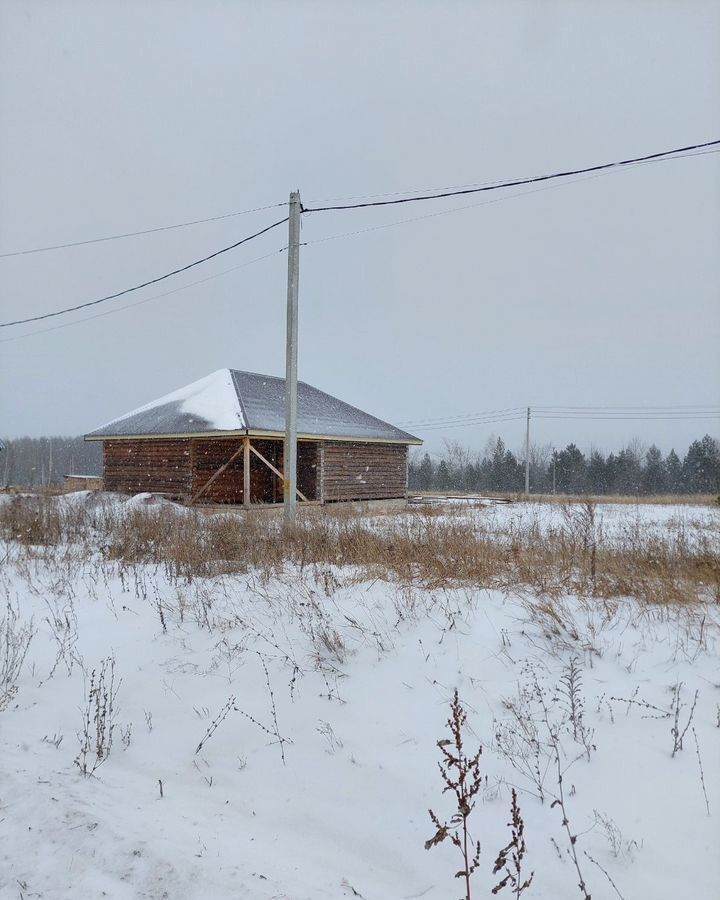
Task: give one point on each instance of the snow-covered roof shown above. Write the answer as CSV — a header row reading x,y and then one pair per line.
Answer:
x,y
232,402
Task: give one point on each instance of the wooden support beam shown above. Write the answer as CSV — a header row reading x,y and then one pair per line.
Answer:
x,y
276,471
217,474
246,472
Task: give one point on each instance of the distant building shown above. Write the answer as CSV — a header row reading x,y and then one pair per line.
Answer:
x,y
197,443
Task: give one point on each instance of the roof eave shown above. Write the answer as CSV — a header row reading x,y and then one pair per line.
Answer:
x,y
410,440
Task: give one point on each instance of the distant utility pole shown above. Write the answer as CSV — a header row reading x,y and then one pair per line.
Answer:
x,y
527,453
554,462
290,449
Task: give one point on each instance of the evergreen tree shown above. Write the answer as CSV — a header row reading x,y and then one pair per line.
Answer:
x,y
485,475
472,477
701,467
442,476
497,466
628,474
611,473
512,473
571,472
597,475
673,473
425,472
654,476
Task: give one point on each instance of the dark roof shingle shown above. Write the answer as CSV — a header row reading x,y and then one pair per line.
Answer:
x,y
231,401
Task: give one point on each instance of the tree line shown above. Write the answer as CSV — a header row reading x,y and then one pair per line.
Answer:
x,y
631,471
634,470
44,461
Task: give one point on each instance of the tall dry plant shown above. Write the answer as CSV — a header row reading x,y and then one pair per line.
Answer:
x,y
509,859
461,776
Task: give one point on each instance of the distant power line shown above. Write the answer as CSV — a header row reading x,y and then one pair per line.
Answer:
x,y
490,413
633,418
137,287
595,413
643,406
444,426
128,234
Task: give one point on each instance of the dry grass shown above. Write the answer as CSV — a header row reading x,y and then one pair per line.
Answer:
x,y
623,499
678,565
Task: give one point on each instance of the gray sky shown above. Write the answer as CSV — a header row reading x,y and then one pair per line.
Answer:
x,y
116,117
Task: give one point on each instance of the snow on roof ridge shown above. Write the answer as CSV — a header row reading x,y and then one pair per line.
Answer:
x,y
224,413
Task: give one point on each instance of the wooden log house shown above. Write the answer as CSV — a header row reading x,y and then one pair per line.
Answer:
x,y
220,440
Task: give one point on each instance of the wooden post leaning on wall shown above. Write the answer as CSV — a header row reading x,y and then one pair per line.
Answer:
x,y
216,475
277,472
246,472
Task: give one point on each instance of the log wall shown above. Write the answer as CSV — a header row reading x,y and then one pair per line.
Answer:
x,y
331,470
353,471
159,466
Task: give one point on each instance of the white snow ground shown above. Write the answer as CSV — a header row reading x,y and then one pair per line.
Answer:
x,y
361,675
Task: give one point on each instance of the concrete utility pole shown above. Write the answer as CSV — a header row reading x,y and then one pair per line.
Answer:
x,y
290,449
527,453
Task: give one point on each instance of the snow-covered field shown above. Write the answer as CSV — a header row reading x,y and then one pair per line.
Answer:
x,y
276,737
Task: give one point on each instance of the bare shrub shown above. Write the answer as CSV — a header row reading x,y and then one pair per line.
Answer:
x,y
584,530
63,624
677,731
272,731
99,716
519,739
605,873
702,773
461,776
560,801
216,722
31,520
15,638
326,730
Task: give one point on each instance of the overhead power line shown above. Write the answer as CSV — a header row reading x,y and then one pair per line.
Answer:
x,y
128,234
137,287
476,184
595,171
517,182
445,212
117,309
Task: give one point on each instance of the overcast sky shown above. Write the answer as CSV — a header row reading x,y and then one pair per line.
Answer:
x,y
116,117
